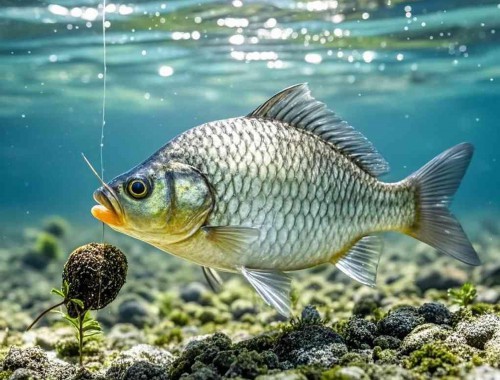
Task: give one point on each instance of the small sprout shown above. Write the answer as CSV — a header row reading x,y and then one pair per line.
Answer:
x,y
84,324
464,296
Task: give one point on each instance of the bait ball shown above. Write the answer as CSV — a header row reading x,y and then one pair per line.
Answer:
x,y
95,274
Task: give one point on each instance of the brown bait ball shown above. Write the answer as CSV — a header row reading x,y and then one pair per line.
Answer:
x,y
95,274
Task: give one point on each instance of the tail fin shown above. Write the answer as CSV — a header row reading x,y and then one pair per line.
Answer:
x,y
435,184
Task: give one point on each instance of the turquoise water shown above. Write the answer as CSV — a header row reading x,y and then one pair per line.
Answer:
x,y
415,76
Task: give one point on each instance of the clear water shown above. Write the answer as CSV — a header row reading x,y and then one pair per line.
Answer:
x,y
415,76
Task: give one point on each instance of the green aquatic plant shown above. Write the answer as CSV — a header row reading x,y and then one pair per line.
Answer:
x,y
84,324
463,296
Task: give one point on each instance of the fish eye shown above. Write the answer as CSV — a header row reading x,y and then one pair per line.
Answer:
x,y
137,188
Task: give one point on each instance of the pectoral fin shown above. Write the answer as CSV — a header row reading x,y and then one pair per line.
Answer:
x,y
361,261
272,286
232,239
213,279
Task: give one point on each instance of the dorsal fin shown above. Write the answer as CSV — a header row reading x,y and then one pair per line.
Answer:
x,y
295,106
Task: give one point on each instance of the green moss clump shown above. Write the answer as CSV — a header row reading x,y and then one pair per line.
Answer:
x,y
481,308
385,356
67,348
433,357
47,246
353,359
173,335
335,374
259,343
179,318
168,303
5,375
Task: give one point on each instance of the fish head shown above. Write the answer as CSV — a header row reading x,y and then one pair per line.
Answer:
x,y
158,203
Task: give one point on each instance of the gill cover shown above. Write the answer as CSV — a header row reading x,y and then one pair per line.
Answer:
x,y
190,198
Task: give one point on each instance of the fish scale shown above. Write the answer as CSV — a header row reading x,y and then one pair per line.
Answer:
x,y
334,192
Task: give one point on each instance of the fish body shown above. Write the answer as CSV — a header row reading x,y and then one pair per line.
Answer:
x,y
288,187
308,200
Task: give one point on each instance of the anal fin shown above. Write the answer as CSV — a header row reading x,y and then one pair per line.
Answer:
x,y
272,286
361,261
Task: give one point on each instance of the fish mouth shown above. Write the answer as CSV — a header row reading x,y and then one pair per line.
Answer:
x,y
109,210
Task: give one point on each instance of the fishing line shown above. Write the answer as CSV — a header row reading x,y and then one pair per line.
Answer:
x,y
103,112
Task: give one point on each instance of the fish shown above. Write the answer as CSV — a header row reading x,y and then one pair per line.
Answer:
x,y
289,186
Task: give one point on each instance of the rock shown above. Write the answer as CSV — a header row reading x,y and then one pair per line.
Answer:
x,y
387,342
247,364
365,306
492,349
423,334
241,307
145,370
352,373
392,372
360,333
479,331
155,362
124,336
400,322
285,375
204,351
33,359
489,295
490,274
435,312
25,374
309,343
442,279
484,372
310,315
134,312
193,292
324,356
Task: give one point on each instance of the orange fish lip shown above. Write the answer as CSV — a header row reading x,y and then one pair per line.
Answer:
x,y
106,212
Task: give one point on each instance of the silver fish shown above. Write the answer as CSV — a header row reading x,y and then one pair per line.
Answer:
x,y
288,187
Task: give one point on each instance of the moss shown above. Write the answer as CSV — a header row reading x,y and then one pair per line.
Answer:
x,y
67,348
354,359
259,343
481,308
464,314
431,358
173,335
341,327
385,356
360,333
203,351
335,373
179,317
248,364
5,375
47,246
365,307
167,303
